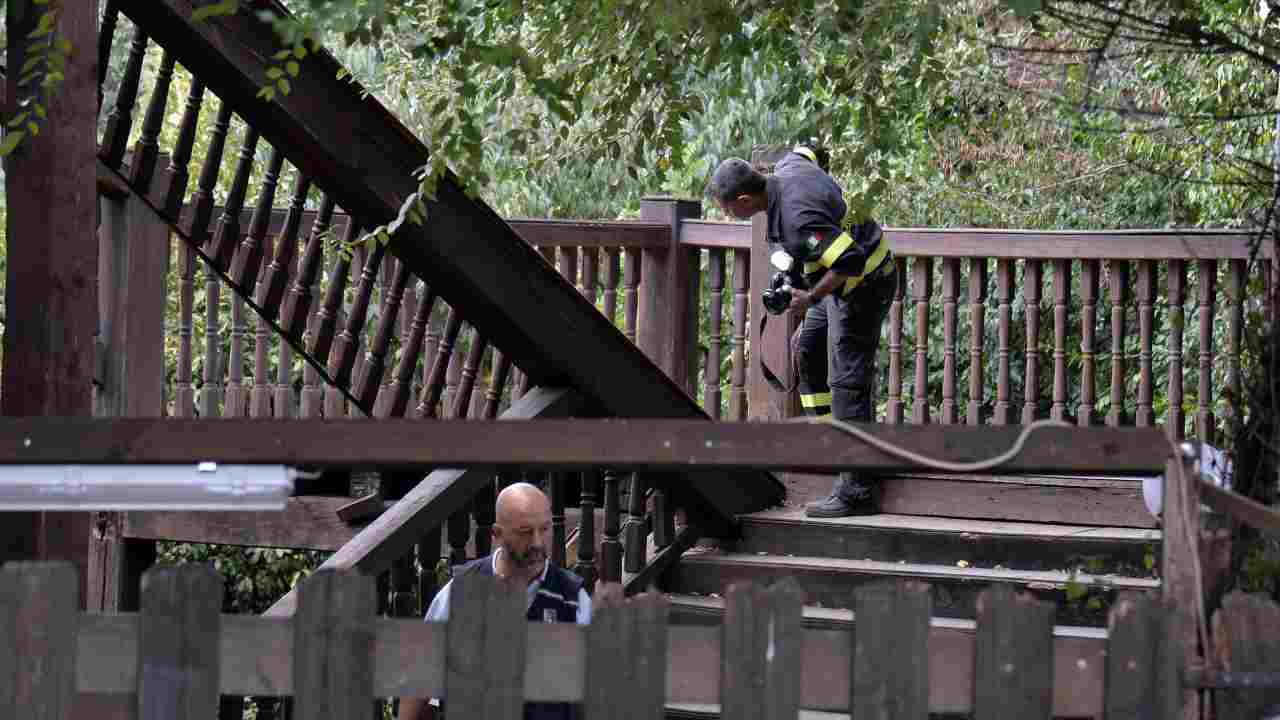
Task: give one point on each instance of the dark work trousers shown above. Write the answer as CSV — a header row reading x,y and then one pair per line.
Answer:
x,y
835,356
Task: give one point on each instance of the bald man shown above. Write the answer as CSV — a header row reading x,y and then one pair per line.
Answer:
x,y
521,540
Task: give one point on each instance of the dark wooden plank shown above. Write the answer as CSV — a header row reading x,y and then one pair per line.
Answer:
x,y
1245,638
179,636
310,523
1139,666
333,634
626,656
760,651
1180,570
592,234
1241,508
38,629
714,234
430,502
1013,665
889,681
485,656
570,444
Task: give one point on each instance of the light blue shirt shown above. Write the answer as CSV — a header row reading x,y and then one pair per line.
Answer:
x,y
439,609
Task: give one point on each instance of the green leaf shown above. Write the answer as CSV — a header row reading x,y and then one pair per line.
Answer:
x,y
274,73
11,140
225,7
267,92
19,119
282,54
30,64
1024,8
299,51
284,86
64,45
292,68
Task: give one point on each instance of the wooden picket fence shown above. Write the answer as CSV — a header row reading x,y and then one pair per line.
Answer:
x,y
178,654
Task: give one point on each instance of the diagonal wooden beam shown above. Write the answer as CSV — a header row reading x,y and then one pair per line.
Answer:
x,y
430,502
357,152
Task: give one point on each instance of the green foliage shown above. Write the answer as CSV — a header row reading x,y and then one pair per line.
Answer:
x,y
42,73
253,578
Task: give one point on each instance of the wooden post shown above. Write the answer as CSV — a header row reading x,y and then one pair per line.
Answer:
x,y
1143,677
333,645
889,678
50,286
1179,584
667,325
1013,663
179,636
774,347
133,247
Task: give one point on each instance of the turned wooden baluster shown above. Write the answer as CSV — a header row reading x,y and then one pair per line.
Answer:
x,y
893,413
184,398
404,581
454,372
430,348
434,386
483,502
246,265
402,385
591,275
375,364
297,302
711,375
120,121
1061,301
612,271
567,264
211,385
630,282
1032,280
343,356
586,565
556,482
228,234
106,34
1003,413
174,178
977,325
738,381
143,165
497,384
199,214
470,370
664,531
327,317
428,556
921,289
234,401
1118,284
1088,325
950,294
634,530
611,545
1235,334
459,531
1177,288
275,281
1207,294
1144,417
260,398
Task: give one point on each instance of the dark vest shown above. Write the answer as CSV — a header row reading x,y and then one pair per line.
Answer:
x,y
556,601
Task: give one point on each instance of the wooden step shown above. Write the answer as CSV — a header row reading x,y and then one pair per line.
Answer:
x,y
1108,501
1082,598
1079,664
947,541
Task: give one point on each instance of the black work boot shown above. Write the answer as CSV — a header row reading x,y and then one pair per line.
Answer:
x,y
851,495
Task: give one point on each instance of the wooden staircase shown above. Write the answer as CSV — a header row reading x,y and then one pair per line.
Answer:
x,y
1057,553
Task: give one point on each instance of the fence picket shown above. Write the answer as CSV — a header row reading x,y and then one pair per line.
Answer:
x,y
179,637
889,679
38,625
761,651
1245,635
626,663
1015,637
333,645
1141,677
485,656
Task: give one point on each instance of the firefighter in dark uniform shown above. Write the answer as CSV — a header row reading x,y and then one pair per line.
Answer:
x,y
851,280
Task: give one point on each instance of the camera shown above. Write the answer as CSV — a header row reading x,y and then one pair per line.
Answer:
x,y
778,297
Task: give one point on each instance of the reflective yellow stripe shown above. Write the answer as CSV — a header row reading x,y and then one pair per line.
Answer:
x,y
812,267
802,150
873,264
836,249
815,400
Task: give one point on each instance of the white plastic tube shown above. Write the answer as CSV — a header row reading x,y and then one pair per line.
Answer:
x,y
203,486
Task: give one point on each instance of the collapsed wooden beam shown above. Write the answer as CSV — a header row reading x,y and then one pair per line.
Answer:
x,y
692,446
